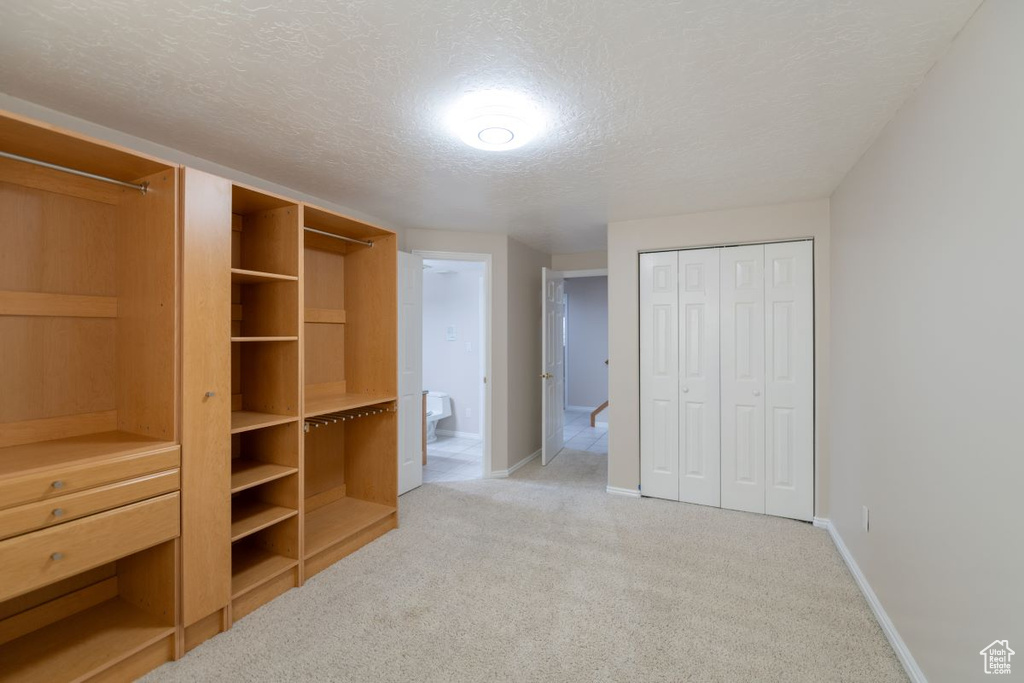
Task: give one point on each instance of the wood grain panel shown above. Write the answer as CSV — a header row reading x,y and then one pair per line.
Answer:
x,y
44,304
46,429
147,326
206,421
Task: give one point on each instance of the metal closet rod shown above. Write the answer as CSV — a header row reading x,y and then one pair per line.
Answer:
x,y
365,243
74,171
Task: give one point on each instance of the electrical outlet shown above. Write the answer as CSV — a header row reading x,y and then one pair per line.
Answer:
x,y
865,518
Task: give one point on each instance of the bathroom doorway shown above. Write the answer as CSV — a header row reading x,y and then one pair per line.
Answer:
x,y
456,361
586,360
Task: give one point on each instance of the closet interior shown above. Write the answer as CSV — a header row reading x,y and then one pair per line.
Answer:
x,y
350,375
89,454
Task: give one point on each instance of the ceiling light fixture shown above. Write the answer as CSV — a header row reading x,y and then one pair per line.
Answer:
x,y
496,120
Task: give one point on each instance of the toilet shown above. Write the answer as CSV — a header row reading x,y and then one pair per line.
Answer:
x,y
439,406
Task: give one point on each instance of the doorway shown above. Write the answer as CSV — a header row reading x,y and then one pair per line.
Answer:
x,y
456,358
586,360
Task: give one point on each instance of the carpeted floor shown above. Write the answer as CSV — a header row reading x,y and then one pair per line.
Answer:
x,y
545,577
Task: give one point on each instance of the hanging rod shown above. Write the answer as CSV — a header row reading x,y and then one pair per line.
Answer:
x,y
365,243
332,418
74,171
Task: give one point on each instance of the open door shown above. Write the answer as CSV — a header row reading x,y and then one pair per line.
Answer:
x,y
553,357
410,372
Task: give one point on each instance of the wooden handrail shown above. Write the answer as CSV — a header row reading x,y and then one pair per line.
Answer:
x,y
593,415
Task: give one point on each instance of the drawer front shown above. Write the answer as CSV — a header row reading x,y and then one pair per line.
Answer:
x,y
60,481
33,560
47,513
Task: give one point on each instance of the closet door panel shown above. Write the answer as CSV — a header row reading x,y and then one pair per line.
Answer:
x,y
206,395
742,385
659,375
699,372
789,380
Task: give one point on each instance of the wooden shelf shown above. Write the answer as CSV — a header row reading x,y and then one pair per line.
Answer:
x,y
248,517
82,645
245,420
57,305
263,339
41,455
252,565
329,316
240,276
248,473
320,401
337,521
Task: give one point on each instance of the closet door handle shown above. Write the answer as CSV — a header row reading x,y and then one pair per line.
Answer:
x,y
686,390
56,557
757,392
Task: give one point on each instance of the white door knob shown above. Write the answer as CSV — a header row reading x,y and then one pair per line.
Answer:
x,y
686,390
757,392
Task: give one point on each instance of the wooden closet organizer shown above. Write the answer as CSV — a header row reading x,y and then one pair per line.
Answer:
x,y
132,289
89,454
266,502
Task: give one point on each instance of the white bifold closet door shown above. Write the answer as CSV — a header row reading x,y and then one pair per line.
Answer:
x,y
699,390
726,363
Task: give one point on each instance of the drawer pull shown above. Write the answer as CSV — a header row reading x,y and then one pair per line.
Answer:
x,y
58,512
57,484
57,557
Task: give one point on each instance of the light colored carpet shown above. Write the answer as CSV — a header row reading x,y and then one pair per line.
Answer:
x,y
545,577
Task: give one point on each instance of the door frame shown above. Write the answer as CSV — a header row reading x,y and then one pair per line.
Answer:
x,y
814,347
485,412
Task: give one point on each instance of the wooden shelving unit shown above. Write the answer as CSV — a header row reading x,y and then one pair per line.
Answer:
x,y
88,407
265,355
350,316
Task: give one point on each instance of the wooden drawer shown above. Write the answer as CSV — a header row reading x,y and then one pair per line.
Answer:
x,y
47,513
41,557
59,481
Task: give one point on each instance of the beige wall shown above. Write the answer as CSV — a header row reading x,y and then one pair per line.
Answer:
x,y
524,349
927,337
589,260
627,239
24,108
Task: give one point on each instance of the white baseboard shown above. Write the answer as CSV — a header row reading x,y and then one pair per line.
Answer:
x,y
532,456
588,409
503,474
615,490
458,435
902,652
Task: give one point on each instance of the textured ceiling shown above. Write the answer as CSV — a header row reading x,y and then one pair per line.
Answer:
x,y
657,106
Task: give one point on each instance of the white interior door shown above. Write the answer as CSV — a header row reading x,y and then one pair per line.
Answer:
x,y
659,375
789,379
742,362
553,358
699,372
410,372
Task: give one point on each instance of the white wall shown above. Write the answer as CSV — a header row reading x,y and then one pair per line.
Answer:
x,y
586,341
453,299
759,224
927,341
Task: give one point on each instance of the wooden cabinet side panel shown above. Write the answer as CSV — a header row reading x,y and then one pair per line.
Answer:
x,y
206,419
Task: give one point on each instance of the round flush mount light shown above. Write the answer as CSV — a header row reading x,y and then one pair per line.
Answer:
x,y
495,120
